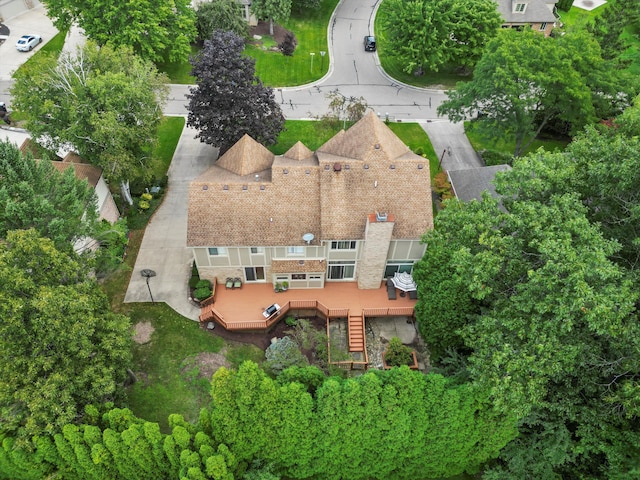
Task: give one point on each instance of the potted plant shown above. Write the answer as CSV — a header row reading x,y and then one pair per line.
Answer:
x,y
277,287
285,286
398,354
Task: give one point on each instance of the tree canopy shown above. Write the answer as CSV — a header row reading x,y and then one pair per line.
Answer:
x,y
272,10
229,100
157,30
61,348
524,81
538,303
220,15
427,35
105,103
33,194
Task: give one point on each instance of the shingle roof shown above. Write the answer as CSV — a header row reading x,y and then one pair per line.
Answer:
x,y
246,157
83,171
536,11
298,152
361,139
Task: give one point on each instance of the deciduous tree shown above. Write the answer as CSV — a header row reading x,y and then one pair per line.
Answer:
x,y
105,103
155,29
524,81
272,10
61,348
220,15
428,35
229,100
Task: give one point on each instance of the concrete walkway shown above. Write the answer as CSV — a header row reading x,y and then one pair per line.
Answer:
x,y
164,246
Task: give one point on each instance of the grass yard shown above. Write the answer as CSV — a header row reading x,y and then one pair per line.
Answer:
x,y
179,72
314,134
277,70
508,147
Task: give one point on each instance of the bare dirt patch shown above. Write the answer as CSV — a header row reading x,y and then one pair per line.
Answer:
x,y
207,363
263,29
142,332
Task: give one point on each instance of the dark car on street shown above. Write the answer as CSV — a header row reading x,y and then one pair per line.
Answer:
x,y
369,43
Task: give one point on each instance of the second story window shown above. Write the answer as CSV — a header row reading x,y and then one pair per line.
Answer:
x,y
295,250
343,245
520,7
218,251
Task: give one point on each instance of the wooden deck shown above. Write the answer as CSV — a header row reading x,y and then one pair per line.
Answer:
x,y
241,308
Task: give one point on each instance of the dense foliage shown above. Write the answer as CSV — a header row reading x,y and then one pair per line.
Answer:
x,y
229,101
220,15
155,29
105,103
427,35
61,348
262,428
33,194
272,10
524,82
538,303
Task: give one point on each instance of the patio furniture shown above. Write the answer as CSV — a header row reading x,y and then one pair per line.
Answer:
x,y
237,283
413,294
403,281
272,310
391,289
229,282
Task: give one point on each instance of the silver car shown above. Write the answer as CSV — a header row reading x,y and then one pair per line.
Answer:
x,y
26,43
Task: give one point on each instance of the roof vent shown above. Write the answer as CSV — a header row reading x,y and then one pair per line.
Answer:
x,y
257,178
377,146
337,167
381,217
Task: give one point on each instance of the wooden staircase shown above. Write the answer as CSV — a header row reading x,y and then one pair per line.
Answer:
x,y
356,333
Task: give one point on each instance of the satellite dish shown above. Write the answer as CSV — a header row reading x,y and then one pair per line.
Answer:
x,y
308,237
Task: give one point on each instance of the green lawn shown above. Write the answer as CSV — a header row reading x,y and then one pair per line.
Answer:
x,y
277,70
508,147
314,134
53,46
179,72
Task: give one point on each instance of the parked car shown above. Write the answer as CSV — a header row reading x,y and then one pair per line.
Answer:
x,y
369,43
26,43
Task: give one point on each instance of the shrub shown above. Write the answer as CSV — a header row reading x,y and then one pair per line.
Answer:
x,y
398,354
291,321
113,242
143,205
441,183
491,157
146,196
201,293
283,354
203,284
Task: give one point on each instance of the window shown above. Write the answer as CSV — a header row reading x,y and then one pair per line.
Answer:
x,y
254,274
520,7
257,250
295,250
543,26
298,276
218,251
344,245
342,269
397,266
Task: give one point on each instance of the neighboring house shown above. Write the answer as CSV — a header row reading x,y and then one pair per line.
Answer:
x,y
537,14
469,184
354,210
106,205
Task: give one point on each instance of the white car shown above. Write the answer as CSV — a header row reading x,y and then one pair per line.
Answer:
x,y
27,42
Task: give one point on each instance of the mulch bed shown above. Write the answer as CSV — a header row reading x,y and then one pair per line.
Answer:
x,y
263,339
263,29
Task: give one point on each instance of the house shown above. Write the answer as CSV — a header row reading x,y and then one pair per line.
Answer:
x,y
537,14
354,210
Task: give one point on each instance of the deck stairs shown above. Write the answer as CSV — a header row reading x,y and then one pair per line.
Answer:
x,y
356,333
206,313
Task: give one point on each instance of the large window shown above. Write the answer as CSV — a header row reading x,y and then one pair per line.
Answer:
x,y
543,26
257,250
343,245
342,269
218,251
295,250
254,274
397,266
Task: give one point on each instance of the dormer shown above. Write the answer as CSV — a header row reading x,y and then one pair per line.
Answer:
x,y
519,6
